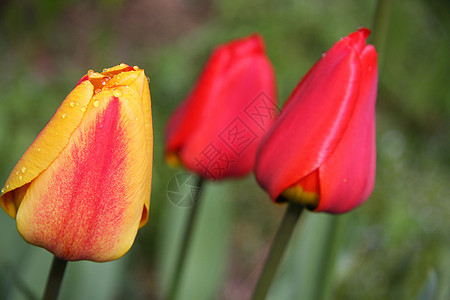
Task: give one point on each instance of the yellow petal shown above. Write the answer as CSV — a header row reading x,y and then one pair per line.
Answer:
x,y
47,146
82,189
88,203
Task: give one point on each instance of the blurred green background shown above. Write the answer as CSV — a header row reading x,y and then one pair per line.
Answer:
x,y
395,246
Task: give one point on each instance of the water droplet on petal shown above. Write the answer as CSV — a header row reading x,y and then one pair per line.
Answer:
x,y
83,109
63,116
20,177
7,186
17,173
38,149
97,91
90,71
105,80
117,93
148,79
76,103
136,68
96,103
3,190
72,104
24,169
137,118
122,65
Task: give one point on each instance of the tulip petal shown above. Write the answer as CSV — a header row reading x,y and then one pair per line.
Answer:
x,y
234,77
313,120
41,153
222,112
347,177
222,61
88,203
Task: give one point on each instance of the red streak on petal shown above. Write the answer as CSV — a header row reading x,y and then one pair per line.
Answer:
x,y
85,201
84,78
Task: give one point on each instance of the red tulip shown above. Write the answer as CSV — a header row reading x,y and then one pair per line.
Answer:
x,y
321,150
82,189
216,130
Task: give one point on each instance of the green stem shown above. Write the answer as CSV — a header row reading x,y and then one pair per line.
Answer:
x,y
328,251
380,26
279,244
54,279
181,259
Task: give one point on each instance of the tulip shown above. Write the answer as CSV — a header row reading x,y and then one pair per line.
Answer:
x,y
82,189
216,130
321,150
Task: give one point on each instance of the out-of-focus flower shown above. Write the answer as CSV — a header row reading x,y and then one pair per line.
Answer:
x,y
82,189
216,130
321,150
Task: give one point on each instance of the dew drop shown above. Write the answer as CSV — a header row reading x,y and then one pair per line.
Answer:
x,y
24,169
137,118
105,80
96,103
20,177
72,104
136,68
122,65
117,93
17,173
63,116
90,71
97,91
38,149
7,186
105,69
76,103
148,79
83,109
3,190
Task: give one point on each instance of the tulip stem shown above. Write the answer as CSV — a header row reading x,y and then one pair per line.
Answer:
x,y
54,279
187,236
323,281
279,244
380,26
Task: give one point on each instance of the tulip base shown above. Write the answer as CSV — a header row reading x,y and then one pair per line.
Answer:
x,y
54,279
279,244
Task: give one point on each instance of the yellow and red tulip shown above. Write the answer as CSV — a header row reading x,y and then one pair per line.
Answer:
x,y
321,150
216,130
82,189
